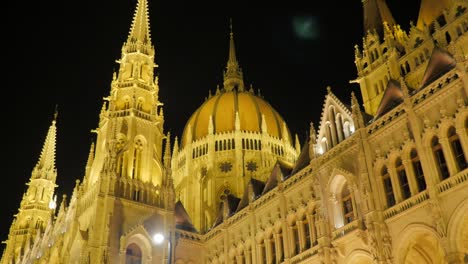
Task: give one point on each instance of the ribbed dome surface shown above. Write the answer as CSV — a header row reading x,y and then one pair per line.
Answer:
x,y
222,108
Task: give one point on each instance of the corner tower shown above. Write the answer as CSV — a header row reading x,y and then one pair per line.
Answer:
x,y
390,53
38,204
233,137
131,122
126,196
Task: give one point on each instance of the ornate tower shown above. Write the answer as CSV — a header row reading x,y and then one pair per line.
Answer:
x,y
127,196
37,206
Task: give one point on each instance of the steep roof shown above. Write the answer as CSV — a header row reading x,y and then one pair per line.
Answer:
x,y
376,12
430,10
392,97
182,218
441,61
304,159
280,172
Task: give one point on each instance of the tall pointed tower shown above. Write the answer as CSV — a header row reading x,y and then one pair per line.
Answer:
x,y
125,197
38,205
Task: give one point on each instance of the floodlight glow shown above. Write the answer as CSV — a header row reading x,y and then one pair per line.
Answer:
x,y
158,238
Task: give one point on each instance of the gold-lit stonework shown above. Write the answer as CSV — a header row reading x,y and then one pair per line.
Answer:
x,y
386,183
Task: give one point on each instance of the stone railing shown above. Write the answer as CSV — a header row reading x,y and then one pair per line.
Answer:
x,y
304,255
342,231
435,86
188,235
135,112
405,205
453,181
133,189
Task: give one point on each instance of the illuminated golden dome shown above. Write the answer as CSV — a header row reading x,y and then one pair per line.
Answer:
x,y
222,108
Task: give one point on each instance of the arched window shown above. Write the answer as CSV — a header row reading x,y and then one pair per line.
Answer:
x,y
346,129
133,254
296,239
418,171
347,205
272,249
263,252
339,127
140,104
328,132
440,158
280,247
137,159
448,38
388,188
403,179
457,149
39,224
324,145
307,237
407,67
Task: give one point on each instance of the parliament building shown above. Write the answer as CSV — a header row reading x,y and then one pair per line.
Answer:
x,y
380,179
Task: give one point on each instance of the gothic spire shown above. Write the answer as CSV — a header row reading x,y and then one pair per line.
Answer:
x,y
140,31
233,77
376,13
139,38
46,162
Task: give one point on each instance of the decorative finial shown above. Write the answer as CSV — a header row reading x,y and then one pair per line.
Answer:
x,y
230,25
56,112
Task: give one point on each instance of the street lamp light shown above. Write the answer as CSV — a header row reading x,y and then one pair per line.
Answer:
x,y
158,239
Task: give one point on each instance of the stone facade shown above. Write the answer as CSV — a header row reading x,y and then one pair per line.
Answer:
x,y
383,184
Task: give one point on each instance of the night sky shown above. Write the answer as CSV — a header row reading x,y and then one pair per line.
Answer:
x,y
63,53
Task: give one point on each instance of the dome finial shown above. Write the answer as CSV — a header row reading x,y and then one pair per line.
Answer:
x,y
233,77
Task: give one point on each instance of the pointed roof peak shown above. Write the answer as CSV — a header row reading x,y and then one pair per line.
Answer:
x,y
140,29
376,13
430,10
47,158
55,113
233,77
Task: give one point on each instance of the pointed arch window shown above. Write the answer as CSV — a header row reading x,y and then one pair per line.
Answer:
x,y
440,158
137,159
272,250
279,241
263,252
418,171
403,179
388,188
133,254
140,104
347,205
296,239
457,149
307,235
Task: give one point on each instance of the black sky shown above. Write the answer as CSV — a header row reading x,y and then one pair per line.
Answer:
x,y
63,53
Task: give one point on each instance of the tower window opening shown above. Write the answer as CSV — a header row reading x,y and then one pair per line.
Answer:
x,y
136,195
457,149
403,179
388,188
306,234
440,158
133,254
347,203
418,172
